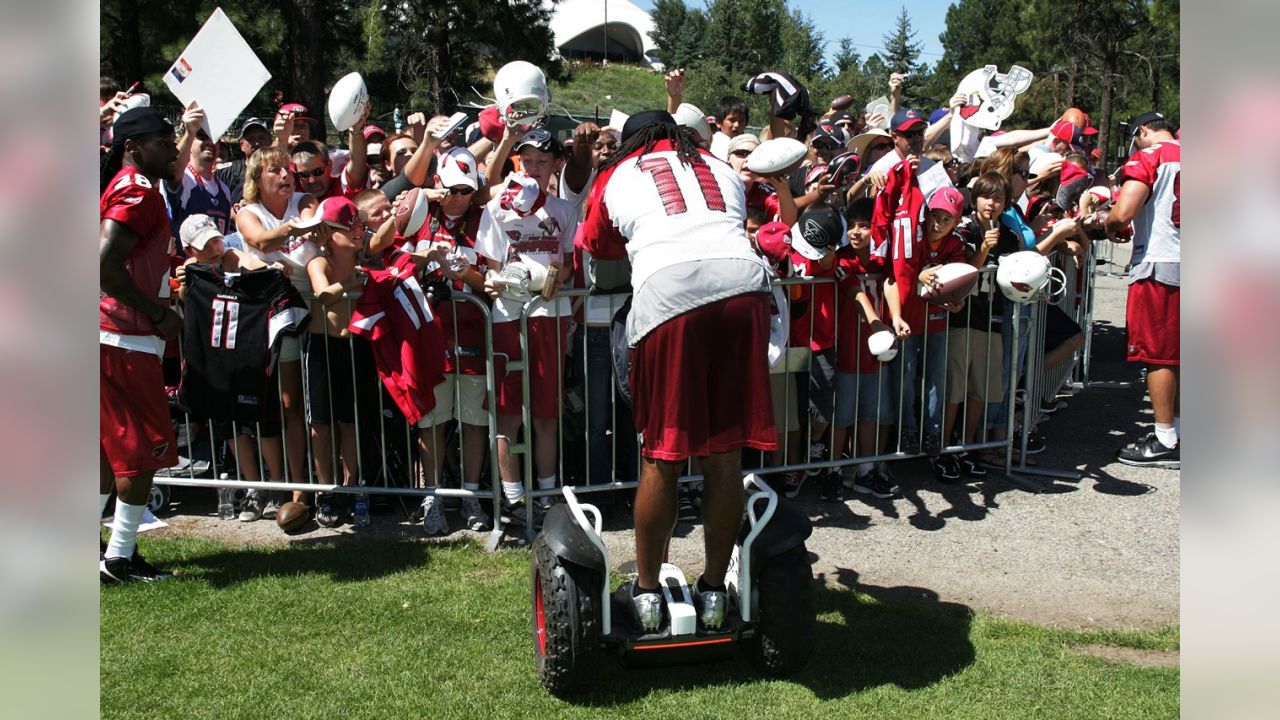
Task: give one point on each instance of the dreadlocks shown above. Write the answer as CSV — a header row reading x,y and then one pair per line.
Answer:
x,y
681,139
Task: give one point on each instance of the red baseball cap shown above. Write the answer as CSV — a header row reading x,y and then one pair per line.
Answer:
x,y
298,109
370,130
336,212
904,120
949,200
773,241
1064,130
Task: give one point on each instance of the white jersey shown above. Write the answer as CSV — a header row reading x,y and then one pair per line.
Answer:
x,y
1157,226
295,252
668,213
545,234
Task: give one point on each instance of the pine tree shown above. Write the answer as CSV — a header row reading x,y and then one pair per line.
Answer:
x,y
846,57
901,53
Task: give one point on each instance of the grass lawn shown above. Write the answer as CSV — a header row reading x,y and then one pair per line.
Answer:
x,y
401,629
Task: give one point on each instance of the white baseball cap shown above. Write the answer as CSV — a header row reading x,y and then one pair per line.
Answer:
x,y
457,166
197,231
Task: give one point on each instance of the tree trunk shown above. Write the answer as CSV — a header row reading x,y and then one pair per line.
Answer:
x,y
129,63
1104,109
1071,80
307,59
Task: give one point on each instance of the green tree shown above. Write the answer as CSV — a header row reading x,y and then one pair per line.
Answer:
x,y
846,57
678,33
901,53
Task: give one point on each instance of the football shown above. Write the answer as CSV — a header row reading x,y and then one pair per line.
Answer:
x,y
882,345
348,101
410,212
779,156
842,102
953,281
292,516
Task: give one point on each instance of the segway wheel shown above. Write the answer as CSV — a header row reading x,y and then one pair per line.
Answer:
x,y
783,636
566,622
158,499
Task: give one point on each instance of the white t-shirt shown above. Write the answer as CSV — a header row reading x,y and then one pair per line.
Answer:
x,y
545,235
720,145
295,252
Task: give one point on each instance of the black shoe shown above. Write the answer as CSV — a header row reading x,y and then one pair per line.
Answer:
x,y
685,511
112,571
327,512
909,442
1035,443
832,487
875,484
792,482
1150,452
970,466
932,444
946,469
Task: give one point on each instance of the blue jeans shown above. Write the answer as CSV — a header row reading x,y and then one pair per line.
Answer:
x,y
998,416
905,386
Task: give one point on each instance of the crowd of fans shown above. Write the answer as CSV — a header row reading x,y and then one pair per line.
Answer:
x,y
325,217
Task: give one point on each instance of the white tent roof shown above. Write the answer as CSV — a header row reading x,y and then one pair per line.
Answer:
x,y
628,24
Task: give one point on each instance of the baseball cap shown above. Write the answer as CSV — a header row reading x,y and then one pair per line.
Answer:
x,y
336,212
642,120
197,231
371,130
692,117
938,114
254,122
298,109
949,200
745,141
905,120
491,125
458,167
373,150
773,243
833,133
540,139
1066,131
1143,119
818,230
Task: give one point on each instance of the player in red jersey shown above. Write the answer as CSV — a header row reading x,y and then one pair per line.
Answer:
x,y
1149,198
134,320
699,324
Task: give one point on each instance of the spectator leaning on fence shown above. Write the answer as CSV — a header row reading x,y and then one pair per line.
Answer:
x,y
136,437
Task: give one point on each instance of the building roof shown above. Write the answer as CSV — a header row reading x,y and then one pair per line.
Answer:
x,y
579,28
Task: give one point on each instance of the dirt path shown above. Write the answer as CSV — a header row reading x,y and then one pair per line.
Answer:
x,y
1099,552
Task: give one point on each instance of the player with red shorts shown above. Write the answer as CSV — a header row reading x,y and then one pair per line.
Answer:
x,y
1148,198
699,326
134,320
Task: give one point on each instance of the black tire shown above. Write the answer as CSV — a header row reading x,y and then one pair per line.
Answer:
x,y
783,638
566,622
158,499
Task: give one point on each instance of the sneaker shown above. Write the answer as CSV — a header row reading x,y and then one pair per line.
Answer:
x,y
946,469
272,509
112,571
875,484
1035,443
254,506
1150,452
832,488
327,511
433,522
909,442
685,511
647,608
792,482
848,475
817,453
970,466
183,435
712,605
476,518
932,444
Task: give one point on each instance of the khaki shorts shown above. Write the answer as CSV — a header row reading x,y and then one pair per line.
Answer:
x,y
785,407
973,365
470,408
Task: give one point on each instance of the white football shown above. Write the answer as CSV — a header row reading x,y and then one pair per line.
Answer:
x,y
410,212
777,156
952,282
691,117
881,344
135,100
348,101
538,273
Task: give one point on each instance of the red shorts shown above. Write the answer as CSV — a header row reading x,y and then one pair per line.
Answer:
x,y
135,434
1151,319
700,381
545,366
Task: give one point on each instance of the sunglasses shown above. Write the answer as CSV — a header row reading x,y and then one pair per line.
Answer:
x,y
913,133
1025,174
310,173
464,190
825,145
879,146
741,153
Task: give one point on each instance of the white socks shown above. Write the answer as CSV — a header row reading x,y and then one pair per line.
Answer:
x,y
547,483
512,490
864,469
1177,425
470,486
124,529
1167,435
103,498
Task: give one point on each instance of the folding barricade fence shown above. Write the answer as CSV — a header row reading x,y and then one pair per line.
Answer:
x,y
599,451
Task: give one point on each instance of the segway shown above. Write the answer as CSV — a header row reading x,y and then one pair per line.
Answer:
x,y
577,620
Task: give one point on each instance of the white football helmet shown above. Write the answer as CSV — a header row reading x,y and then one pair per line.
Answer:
x,y
521,92
1024,277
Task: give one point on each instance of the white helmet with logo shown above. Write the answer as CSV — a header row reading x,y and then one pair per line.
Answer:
x,y
521,92
1024,276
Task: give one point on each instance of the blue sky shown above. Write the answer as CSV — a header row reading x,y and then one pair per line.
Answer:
x,y
865,23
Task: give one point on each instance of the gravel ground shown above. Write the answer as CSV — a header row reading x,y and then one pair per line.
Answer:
x,y
1098,552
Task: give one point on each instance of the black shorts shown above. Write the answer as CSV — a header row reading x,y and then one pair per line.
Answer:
x,y
333,368
1058,327
822,384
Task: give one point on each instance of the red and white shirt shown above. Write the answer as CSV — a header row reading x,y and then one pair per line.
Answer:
x,y
393,313
1157,226
544,234
853,275
132,200
897,233
464,349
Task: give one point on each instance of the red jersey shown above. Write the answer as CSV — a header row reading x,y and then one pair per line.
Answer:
x,y
394,315
465,347
950,249
852,275
1157,228
821,307
760,196
132,200
897,232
